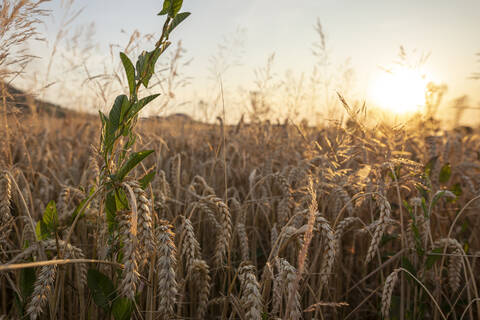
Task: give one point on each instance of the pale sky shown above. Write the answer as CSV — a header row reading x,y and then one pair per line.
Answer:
x,y
369,32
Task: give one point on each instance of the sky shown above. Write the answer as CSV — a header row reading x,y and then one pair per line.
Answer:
x,y
368,33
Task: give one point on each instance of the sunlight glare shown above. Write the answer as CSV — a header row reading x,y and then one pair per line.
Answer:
x,y
400,90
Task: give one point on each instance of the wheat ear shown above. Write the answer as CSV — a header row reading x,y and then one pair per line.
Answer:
x,y
130,254
284,286
251,298
388,291
144,225
202,280
225,232
385,211
5,197
166,263
454,261
42,289
329,250
190,248
340,230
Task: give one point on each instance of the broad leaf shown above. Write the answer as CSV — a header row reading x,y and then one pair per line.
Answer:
x,y
133,160
140,104
50,216
456,189
177,20
27,281
49,222
129,71
120,107
111,211
122,309
146,65
166,7
429,166
121,201
175,8
144,181
41,230
445,173
102,289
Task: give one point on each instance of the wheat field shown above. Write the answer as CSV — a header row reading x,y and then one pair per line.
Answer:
x,y
125,217
276,221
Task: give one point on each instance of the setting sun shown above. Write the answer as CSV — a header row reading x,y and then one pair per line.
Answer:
x,y
400,90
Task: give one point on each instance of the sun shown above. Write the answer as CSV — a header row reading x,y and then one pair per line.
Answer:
x,y
400,90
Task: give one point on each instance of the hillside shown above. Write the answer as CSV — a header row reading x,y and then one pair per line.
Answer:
x,y
19,101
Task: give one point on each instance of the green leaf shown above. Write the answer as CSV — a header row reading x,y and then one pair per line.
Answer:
x,y
20,307
129,71
122,309
456,189
119,109
166,8
133,160
140,104
27,281
145,65
429,166
424,208
445,173
466,247
177,20
175,8
121,201
49,222
102,289
111,211
41,230
144,181
407,206
50,217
